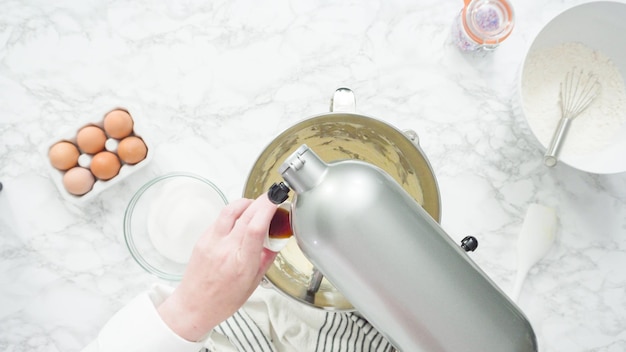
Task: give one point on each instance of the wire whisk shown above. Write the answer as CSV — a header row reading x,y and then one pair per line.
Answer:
x,y
578,90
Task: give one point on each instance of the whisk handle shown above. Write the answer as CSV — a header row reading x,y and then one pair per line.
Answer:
x,y
551,155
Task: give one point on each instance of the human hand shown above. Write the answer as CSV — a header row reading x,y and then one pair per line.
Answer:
x,y
226,265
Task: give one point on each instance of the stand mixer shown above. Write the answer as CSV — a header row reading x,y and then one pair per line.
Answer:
x,y
394,263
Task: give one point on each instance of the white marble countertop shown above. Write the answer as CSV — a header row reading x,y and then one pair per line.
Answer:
x,y
216,81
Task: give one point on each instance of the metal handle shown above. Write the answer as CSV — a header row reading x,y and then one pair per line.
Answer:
x,y
343,100
551,156
413,137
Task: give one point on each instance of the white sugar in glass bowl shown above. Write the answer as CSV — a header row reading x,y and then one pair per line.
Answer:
x,y
165,218
588,36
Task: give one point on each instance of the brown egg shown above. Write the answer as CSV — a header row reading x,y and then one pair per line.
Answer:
x,y
132,150
63,155
91,139
118,124
78,181
105,165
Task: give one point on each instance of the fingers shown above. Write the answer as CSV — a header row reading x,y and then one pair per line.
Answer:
x,y
229,215
256,220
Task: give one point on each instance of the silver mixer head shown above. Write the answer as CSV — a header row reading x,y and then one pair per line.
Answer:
x,y
394,263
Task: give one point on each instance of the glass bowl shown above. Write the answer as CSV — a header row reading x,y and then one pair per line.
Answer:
x,y
165,218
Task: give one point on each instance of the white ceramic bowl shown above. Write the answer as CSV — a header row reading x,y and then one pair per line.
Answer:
x,y
600,26
165,218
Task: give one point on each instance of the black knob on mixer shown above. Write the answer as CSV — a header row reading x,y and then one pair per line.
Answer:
x,y
469,243
278,193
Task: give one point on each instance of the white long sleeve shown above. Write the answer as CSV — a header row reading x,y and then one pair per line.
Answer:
x,y
137,327
268,321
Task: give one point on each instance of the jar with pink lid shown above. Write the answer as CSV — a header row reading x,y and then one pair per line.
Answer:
x,y
483,24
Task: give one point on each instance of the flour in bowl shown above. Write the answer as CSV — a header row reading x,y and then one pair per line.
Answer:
x,y
595,127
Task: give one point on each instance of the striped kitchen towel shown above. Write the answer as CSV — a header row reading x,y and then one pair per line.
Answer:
x,y
270,322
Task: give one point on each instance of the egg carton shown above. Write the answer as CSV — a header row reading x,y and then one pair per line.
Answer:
x,y
99,185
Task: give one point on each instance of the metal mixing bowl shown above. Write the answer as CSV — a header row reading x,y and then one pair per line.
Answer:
x,y
337,136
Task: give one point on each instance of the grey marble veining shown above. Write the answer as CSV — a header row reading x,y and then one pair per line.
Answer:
x,y
216,81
